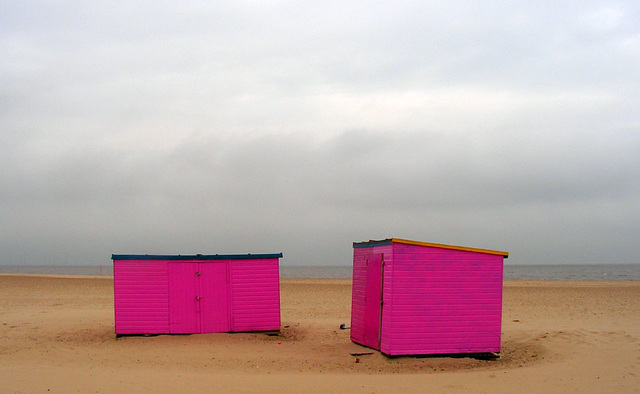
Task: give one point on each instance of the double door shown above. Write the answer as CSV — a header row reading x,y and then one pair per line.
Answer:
x,y
199,297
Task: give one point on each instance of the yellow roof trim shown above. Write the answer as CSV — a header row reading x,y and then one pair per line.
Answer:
x,y
464,248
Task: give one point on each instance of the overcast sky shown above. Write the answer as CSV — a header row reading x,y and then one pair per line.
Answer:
x,y
301,127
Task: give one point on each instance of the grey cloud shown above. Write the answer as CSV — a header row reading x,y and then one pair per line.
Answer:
x,y
302,127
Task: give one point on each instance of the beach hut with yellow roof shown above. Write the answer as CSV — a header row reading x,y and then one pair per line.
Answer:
x,y
412,297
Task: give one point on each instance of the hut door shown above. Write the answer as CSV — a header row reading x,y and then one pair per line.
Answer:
x,y
184,304
214,289
373,301
198,298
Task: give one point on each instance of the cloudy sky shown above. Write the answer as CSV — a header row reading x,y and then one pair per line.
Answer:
x,y
300,127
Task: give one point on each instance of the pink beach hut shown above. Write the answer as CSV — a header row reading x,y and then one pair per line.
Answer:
x,y
187,294
413,297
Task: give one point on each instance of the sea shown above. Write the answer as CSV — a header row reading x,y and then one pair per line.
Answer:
x,y
511,272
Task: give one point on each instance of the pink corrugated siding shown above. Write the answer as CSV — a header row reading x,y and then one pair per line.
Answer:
x,y
358,293
141,301
255,295
444,301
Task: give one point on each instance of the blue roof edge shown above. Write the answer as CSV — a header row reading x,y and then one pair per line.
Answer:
x,y
371,243
247,256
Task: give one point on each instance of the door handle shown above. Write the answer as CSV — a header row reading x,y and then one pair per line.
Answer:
x,y
198,273
197,298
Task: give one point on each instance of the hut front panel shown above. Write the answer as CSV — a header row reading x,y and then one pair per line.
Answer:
x,y
214,288
184,290
359,292
141,297
444,301
255,295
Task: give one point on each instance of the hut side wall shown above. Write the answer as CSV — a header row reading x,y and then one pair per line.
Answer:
x,y
444,301
255,295
141,296
358,292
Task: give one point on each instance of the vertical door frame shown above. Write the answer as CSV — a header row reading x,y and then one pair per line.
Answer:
x,y
199,296
381,299
230,294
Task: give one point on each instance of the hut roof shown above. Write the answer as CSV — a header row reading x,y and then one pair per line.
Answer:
x,y
195,256
389,241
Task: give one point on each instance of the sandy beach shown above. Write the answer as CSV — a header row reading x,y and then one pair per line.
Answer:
x,y
56,335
